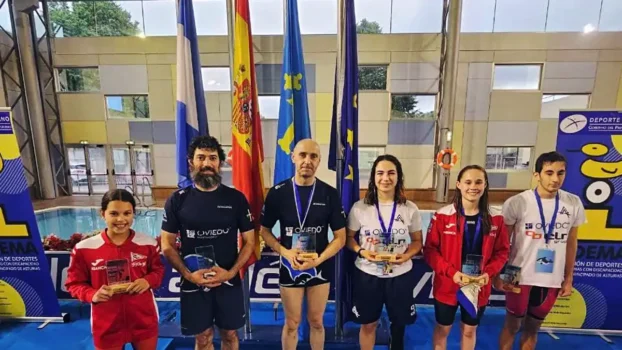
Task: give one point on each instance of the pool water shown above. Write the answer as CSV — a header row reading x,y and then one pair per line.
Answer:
x,y
64,222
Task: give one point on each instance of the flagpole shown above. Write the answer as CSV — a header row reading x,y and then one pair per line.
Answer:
x,y
245,281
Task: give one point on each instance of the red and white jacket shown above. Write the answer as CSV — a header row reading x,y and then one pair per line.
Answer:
x,y
443,252
124,318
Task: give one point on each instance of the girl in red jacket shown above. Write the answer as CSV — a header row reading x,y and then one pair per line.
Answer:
x,y
116,271
465,239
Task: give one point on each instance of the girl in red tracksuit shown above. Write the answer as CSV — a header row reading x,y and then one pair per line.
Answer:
x,y
461,233
129,315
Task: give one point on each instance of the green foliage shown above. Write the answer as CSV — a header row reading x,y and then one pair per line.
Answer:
x,y
368,27
92,18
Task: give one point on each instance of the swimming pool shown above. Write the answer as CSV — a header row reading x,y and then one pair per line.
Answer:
x,y
65,221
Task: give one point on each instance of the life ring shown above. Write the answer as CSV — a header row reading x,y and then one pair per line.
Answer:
x,y
441,155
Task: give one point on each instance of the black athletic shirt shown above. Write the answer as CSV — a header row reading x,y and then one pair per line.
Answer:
x,y
209,218
326,209
467,239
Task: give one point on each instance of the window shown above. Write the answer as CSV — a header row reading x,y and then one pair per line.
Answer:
x,y
127,107
610,16
97,18
210,16
477,16
216,78
318,16
413,106
78,79
417,16
508,158
269,106
267,17
517,77
226,171
372,77
373,17
551,104
367,156
520,16
572,15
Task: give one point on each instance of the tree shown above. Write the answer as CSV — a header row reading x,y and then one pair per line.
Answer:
x,y
405,106
92,18
367,27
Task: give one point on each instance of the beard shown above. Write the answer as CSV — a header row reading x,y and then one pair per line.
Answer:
x,y
206,180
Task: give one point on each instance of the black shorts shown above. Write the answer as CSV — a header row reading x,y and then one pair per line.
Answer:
x,y
223,305
445,314
323,273
370,293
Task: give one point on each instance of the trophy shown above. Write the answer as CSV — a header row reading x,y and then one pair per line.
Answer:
x,y
472,268
509,279
118,274
305,243
385,251
206,259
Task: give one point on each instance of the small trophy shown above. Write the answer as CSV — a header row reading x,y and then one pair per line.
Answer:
x,y
509,279
472,267
305,243
386,252
206,259
118,274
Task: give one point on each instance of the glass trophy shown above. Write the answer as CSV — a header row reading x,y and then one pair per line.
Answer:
x,y
509,279
472,268
206,259
385,251
305,243
118,275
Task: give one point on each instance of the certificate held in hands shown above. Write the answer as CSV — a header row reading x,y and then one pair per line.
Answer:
x,y
305,242
118,275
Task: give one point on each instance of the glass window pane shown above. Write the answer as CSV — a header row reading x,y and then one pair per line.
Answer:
x,y
73,19
225,170
508,158
610,16
135,11
572,15
216,78
367,156
520,16
78,79
161,17
413,106
524,157
551,104
132,107
417,16
372,16
210,17
5,17
477,16
517,77
267,17
269,106
318,16
372,77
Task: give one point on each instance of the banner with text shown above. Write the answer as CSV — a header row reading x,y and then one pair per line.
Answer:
x,y
25,287
592,143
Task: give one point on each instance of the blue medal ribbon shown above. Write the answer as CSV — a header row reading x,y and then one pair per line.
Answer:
x,y
547,233
478,226
386,232
299,209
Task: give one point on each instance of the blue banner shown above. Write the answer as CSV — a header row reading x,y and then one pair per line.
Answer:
x,y
592,143
25,288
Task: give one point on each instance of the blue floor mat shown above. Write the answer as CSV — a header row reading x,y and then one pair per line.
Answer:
x,y
76,334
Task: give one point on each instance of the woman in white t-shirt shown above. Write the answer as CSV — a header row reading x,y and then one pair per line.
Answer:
x,y
387,224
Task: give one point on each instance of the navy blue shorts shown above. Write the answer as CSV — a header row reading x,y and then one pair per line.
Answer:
x,y
223,306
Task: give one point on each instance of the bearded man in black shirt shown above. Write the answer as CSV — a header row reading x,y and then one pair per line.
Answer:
x,y
305,208
208,216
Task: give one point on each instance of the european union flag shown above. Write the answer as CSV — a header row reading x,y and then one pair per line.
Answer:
x,y
294,122
191,119
344,141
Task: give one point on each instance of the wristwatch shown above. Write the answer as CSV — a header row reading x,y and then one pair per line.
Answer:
x,y
359,252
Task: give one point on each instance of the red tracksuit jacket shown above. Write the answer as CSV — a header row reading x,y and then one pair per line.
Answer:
x,y
443,252
124,318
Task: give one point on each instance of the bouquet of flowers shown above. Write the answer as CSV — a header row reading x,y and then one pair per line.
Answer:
x,y
52,242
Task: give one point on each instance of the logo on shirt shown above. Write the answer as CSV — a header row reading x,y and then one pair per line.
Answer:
x,y
289,231
399,218
367,232
565,211
394,231
450,225
224,207
96,262
190,233
207,234
249,215
449,232
136,257
319,204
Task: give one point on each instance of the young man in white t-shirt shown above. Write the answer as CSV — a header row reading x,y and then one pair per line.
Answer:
x,y
544,252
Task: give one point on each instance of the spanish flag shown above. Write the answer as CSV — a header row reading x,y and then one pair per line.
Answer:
x,y
247,148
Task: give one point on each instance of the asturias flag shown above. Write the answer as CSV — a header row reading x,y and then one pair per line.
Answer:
x,y
344,133
247,149
191,120
294,122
